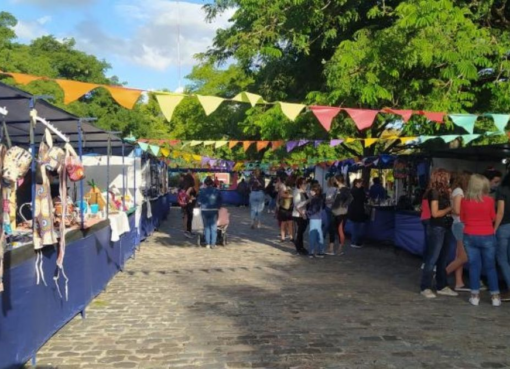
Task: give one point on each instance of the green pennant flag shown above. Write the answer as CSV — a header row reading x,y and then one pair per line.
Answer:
x,y
468,138
424,139
448,138
500,121
466,121
154,149
143,146
130,139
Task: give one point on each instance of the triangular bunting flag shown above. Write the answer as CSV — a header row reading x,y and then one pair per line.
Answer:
x,y
276,144
405,114
196,143
448,138
433,116
334,143
197,157
350,140
208,143
363,118
468,138
247,144
168,103
74,90
291,145
466,121
406,140
165,152
23,79
316,143
154,149
143,146
291,111
261,145
370,141
302,142
253,98
219,144
231,144
325,115
500,120
424,139
210,103
126,97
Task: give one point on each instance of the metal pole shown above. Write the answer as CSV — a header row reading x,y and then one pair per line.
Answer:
x,y
123,179
108,177
32,151
80,153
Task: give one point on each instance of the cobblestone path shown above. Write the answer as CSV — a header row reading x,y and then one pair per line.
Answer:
x,y
253,304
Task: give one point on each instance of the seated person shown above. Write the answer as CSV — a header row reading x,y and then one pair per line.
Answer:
x,y
377,191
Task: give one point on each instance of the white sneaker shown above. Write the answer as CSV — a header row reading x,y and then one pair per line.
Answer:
x,y
474,300
208,246
428,294
447,291
354,246
496,300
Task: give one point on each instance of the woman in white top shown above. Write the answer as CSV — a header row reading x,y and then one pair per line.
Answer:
x,y
459,185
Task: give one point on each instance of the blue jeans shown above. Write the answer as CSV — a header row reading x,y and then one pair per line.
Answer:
x,y
426,230
481,249
357,233
257,199
316,237
440,239
503,252
210,218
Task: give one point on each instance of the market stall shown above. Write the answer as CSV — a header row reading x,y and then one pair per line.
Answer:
x,y
42,289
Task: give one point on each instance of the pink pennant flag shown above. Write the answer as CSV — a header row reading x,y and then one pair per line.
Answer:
x,y
433,116
363,118
405,114
325,115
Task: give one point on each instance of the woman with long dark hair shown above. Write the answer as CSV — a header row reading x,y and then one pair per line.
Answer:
x,y
356,213
440,235
300,199
189,185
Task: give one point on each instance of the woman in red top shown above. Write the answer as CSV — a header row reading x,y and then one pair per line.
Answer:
x,y
477,212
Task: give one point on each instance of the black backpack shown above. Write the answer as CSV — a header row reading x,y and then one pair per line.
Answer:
x,y
342,201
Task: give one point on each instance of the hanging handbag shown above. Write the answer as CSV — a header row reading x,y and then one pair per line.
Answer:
x,y
17,164
74,166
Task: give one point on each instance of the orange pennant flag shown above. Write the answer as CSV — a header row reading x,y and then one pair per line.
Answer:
x,y
74,90
261,145
247,144
126,97
276,144
231,144
23,79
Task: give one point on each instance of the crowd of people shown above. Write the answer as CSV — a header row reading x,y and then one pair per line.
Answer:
x,y
474,209
471,209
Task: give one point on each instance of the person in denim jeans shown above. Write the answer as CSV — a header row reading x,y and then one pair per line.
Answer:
x,y
459,186
210,203
503,232
477,212
440,235
314,213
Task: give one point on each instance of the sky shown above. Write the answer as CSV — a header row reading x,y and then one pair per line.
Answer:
x,y
137,37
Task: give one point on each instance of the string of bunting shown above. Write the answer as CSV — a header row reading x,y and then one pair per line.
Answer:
x,y
168,102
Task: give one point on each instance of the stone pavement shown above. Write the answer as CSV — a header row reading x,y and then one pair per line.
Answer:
x,y
253,304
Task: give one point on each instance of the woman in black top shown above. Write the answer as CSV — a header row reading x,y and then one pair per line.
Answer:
x,y
356,213
502,227
440,236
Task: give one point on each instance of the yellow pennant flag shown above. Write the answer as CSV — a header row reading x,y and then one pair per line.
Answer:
x,y
350,140
291,111
168,103
74,90
248,97
210,103
370,141
197,158
195,143
220,144
405,140
165,152
208,143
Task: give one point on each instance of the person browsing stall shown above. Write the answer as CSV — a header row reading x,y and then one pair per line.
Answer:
x,y
210,202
